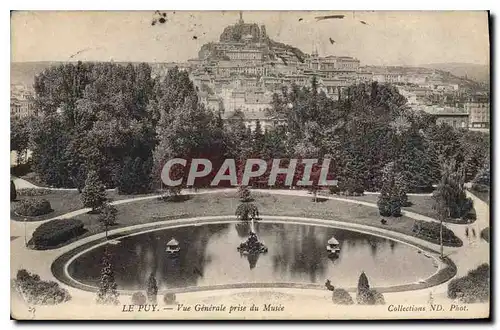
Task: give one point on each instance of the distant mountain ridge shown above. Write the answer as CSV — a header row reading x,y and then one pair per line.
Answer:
x,y
477,72
23,73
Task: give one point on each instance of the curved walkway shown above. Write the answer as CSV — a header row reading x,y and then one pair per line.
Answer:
x,y
472,254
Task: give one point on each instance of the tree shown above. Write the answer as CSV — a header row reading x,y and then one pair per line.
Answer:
x,y
482,181
246,210
393,193
414,161
107,293
107,216
449,197
152,289
94,192
364,294
244,193
19,137
13,193
135,177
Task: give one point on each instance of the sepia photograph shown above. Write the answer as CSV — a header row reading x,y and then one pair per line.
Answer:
x,y
250,165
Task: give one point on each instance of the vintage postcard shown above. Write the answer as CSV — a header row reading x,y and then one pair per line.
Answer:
x,y
250,165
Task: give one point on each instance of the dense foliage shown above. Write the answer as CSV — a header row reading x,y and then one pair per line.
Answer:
x,y
450,199
33,207
472,288
39,292
13,193
56,232
123,124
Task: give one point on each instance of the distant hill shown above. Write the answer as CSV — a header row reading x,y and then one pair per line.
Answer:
x,y
477,72
24,73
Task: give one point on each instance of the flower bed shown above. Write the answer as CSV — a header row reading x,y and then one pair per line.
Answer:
x,y
430,231
39,292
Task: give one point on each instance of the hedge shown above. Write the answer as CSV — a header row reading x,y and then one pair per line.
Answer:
x,y
39,292
53,233
472,288
33,207
341,297
430,230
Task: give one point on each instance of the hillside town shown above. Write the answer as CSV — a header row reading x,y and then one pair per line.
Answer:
x,y
240,73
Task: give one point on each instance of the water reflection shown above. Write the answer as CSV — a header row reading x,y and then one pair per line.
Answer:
x,y
297,253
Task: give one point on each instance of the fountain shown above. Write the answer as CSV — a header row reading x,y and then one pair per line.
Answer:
x,y
252,244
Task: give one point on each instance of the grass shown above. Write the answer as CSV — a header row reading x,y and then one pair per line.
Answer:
x,y
154,210
420,204
61,202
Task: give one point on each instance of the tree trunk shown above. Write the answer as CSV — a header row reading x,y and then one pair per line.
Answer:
x,y
441,237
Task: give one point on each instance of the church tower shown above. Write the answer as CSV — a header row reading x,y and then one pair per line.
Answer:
x,y
241,18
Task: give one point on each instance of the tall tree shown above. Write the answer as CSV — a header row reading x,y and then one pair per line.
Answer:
x,y
94,192
107,293
152,289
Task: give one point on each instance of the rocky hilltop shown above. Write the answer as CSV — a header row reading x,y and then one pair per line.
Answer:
x,y
248,36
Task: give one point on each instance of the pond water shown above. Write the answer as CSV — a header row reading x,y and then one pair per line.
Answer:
x,y
297,254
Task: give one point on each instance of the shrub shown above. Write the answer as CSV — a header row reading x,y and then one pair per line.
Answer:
x,y
55,232
334,190
169,299
13,194
389,206
39,292
94,192
472,288
138,298
430,230
30,192
244,193
152,289
247,211
33,207
341,297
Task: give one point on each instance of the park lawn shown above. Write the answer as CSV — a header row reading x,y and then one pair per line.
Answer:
x,y
420,204
214,204
61,201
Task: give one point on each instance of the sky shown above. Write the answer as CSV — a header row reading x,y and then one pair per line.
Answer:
x,y
387,38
